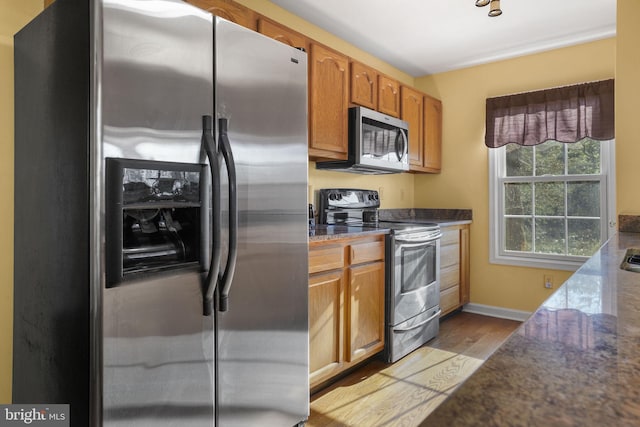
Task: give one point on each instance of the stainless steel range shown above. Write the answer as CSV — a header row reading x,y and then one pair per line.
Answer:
x,y
412,267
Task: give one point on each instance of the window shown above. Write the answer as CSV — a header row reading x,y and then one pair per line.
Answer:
x,y
551,174
551,203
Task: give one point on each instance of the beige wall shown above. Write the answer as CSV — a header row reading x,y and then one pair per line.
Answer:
x,y
628,107
464,181
13,16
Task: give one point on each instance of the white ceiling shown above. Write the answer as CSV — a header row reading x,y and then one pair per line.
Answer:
x,y
423,37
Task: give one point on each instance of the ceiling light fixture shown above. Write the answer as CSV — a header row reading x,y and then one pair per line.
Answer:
x,y
494,8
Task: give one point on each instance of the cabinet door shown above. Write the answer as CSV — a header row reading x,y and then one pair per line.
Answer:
x,y
449,269
388,96
326,326
365,310
412,112
229,10
449,299
364,85
454,268
328,103
281,33
432,134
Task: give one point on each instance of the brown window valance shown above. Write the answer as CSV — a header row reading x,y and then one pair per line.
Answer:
x,y
565,114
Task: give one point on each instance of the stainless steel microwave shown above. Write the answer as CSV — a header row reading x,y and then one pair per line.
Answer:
x,y
378,144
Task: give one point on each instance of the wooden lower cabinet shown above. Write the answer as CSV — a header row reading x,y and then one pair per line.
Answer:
x,y
346,304
365,311
454,267
326,324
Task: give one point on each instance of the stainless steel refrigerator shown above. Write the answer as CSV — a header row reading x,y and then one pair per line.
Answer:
x,y
160,218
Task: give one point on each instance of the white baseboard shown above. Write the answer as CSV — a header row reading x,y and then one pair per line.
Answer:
x,y
503,313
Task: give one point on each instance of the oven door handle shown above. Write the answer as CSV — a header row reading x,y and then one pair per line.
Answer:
x,y
418,241
419,324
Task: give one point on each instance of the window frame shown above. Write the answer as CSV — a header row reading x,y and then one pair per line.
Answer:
x,y
497,177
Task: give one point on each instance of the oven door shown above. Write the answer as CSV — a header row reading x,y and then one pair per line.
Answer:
x,y
415,277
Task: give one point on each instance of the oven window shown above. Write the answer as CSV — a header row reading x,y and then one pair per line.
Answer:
x,y
418,266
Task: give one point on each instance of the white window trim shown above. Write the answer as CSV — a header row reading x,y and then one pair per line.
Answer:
x,y
539,260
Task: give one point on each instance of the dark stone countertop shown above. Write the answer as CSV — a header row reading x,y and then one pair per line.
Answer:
x,y
329,232
574,362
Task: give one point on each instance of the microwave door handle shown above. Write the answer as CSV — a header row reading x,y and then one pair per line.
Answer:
x,y
230,267
211,280
400,152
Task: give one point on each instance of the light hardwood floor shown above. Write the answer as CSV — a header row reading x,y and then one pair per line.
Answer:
x,y
403,394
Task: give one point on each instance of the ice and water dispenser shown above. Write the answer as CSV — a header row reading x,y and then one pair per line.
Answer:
x,y
153,218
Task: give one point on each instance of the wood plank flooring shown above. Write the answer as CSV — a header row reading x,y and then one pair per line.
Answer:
x,y
403,394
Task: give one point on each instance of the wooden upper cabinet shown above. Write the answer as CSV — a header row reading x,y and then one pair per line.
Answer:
x,y
432,134
388,96
364,85
229,10
412,112
328,103
283,34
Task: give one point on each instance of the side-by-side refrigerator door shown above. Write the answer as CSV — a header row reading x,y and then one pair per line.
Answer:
x,y
262,322
156,85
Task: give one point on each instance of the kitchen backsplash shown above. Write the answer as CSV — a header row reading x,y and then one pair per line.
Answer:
x,y
629,223
434,214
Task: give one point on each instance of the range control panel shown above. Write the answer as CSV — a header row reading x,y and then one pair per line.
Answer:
x,y
347,206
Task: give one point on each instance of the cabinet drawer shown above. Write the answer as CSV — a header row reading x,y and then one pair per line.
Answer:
x,y
326,258
450,236
449,276
366,252
450,299
449,255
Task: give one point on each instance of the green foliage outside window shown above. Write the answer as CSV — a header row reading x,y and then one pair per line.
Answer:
x,y
552,198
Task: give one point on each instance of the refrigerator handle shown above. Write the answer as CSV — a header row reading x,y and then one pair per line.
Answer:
x,y
211,280
230,267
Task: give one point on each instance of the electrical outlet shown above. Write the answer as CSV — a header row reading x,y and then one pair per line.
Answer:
x,y
381,193
548,281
